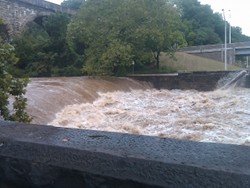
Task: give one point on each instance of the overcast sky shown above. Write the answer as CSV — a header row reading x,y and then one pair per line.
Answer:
x,y
55,1
240,11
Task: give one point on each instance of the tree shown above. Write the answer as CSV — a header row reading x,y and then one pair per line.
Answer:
x,y
237,35
200,22
43,49
160,29
30,47
202,25
116,57
136,29
12,101
74,4
3,30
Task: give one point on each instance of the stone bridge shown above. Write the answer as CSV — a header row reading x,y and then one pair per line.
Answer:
x,y
217,51
17,13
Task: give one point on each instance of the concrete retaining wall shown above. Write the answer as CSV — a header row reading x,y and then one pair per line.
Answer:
x,y
201,81
50,157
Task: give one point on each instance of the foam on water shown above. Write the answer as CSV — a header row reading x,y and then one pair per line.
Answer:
x,y
221,116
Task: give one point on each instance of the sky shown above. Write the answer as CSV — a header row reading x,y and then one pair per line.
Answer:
x,y
55,1
239,10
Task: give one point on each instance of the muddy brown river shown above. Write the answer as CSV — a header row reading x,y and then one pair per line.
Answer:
x,y
127,106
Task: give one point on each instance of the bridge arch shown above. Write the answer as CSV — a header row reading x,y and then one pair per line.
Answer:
x,y
17,13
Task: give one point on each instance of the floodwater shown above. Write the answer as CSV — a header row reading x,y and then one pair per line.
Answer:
x,y
127,106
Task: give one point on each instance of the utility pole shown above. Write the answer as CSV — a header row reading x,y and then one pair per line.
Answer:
x,y
247,63
230,28
133,66
225,45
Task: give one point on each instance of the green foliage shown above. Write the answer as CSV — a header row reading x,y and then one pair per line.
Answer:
x,y
116,58
200,23
106,36
43,49
202,26
3,30
12,101
110,34
237,35
74,4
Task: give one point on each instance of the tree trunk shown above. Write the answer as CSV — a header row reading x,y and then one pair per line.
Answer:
x,y
157,58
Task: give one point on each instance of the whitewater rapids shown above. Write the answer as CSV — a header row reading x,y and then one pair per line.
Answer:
x,y
128,106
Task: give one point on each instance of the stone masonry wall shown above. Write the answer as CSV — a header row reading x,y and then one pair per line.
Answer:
x,y
17,13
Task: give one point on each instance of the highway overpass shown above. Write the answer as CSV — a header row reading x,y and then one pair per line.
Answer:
x,y
216,51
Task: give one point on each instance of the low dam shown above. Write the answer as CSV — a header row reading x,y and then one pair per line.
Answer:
x,y
200,80
122,132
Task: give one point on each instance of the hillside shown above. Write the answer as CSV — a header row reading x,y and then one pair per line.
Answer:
x,y
187,62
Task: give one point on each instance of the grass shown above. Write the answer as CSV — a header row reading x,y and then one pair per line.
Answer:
x,y
187,62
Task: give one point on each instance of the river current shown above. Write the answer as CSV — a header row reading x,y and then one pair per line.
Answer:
x,y
128,106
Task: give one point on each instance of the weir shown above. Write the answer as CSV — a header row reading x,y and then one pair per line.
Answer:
x,y
200,80
42,156
239,78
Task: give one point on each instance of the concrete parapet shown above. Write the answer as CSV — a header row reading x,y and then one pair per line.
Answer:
x,y
45,156
216,51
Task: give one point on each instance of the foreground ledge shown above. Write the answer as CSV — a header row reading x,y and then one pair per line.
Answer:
x,y
45,156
